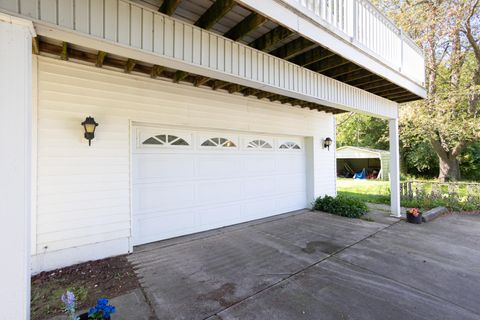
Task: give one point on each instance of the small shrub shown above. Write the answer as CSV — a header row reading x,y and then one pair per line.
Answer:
x,y
341,206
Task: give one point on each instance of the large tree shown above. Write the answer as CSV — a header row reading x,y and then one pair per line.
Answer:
x,y
448,31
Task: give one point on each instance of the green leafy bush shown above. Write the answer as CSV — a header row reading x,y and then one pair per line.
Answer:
x,y
341,206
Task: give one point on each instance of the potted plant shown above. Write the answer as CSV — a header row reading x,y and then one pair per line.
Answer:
x,y
414,215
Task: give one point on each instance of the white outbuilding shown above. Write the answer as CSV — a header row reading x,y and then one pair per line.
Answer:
x,y
354,159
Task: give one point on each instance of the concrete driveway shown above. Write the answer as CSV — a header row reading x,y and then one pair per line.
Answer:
x,y
310,265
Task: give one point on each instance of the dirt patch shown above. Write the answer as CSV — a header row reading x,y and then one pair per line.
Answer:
x,y
89,281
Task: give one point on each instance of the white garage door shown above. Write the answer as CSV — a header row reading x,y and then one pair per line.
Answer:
x,y
186,181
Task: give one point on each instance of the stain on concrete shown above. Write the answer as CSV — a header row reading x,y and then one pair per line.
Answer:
x,y
323,246
223,295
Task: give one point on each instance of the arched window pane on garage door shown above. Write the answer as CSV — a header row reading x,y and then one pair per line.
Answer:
x,y
290,145
165,140
218,142
259,144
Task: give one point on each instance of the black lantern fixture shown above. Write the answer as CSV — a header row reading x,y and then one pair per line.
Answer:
x,y
327,143
89,125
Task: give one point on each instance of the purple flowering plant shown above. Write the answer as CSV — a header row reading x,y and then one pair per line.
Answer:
x,y
69,303
102,310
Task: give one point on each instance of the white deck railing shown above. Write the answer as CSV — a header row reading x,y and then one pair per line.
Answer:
x,y
369,29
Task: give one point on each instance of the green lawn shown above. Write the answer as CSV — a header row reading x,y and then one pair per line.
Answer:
x,y
375,191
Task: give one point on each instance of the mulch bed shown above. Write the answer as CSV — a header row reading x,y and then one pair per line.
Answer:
x,y
107,278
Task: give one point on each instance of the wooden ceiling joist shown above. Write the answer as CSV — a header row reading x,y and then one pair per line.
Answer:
x,y
129,65
168,6
328,64
357,75
244,27
293,48
179,76
389,91
200,80
271,38
35,45
214,13
156,71
378,84
218,84
311,56
64,53
100,58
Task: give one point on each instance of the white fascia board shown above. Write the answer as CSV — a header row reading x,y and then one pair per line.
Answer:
x,y
323,35
64,34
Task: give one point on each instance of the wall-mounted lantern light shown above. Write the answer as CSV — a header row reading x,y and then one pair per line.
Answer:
x,y
89,125
327,143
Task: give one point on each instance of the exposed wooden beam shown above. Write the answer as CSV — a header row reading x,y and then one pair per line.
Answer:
x,y
35,46
179,76
214,13
100,58
271,38
342,70
388,91
380,83
312,56
371,79
249,91
168,6
264,94
293,48
130,65
200,80
234,88
360,74
244,27
218,84
409,99
402,95
327,64
156,71
64,53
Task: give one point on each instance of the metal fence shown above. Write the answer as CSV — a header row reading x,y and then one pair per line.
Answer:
x,y
462,191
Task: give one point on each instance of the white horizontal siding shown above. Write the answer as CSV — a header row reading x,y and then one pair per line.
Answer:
x,y
143,34
84,192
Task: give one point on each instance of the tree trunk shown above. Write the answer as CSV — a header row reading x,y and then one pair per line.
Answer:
x,y
449,169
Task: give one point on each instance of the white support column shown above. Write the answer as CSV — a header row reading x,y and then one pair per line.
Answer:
x,y
15,165
394,168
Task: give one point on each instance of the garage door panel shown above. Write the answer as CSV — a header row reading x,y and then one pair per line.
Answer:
x,y
199,187
212,192
220,216
165,166
290,202
218,166
289,163
159,226
260,187
261,208
154,196
295,183
260,164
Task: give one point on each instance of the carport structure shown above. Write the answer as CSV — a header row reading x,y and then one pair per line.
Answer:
x,y
233,97
358,158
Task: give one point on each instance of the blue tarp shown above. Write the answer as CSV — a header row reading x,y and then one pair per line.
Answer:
x,y
362,174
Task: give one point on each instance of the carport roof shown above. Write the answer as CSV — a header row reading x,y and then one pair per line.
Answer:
x,y
359,152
